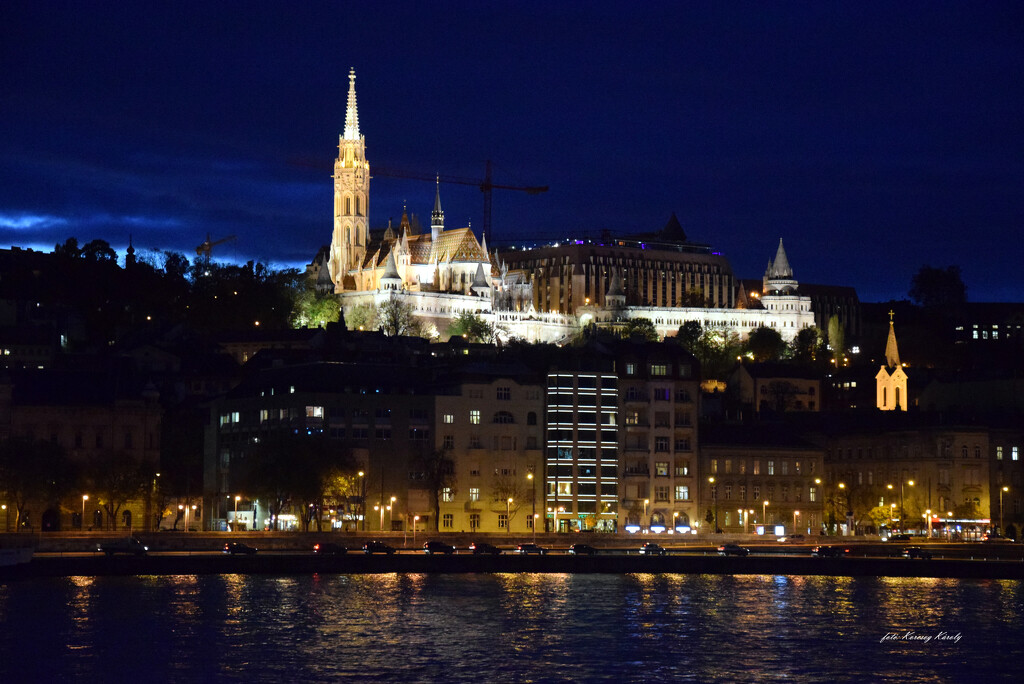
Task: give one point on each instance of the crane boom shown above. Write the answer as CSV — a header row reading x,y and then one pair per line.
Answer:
x,y
486,186
207,245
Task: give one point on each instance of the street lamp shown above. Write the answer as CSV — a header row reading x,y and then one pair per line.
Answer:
x,y
675,520
1004,489
234,525
714,497
796,514
533,504
390,513
380,508
646,503
764,513
928,516
554,516
362,498
846,508
415,519
508,516
85,497
7,516
193,516
911,483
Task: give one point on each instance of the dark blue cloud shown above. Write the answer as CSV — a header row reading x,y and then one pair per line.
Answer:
x,y
872,137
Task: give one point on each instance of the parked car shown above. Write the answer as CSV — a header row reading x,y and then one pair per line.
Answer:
x,y
917,552
582,550
371,547
483,547
829,551
993,538
433,547
526,549
127,545
792,539
329,549
899,537
235,548
652,549
733,550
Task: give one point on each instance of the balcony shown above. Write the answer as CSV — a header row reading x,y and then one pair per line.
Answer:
x,y
636,471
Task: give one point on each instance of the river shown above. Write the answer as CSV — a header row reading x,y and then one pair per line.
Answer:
x,y
509,628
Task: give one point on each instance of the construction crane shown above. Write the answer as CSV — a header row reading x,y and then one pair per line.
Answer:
x,y
486,186
207,245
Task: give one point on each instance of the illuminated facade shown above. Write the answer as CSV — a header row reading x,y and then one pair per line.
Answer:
x,y
891,385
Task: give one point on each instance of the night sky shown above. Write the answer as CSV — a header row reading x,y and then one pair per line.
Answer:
x,y
872,137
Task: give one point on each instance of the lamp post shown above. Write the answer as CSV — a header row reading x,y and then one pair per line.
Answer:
x,y
380,507
949,529
508,516
764,513
889,487
928,517
646,503
911,483
415,519
1004,489
675,520
193,514
750,512
7,516
234,525
796,514
85,497
554,516
533,505
714,497
362,499
892,513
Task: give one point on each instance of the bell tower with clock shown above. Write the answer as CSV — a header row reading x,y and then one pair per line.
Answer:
x,y
351,196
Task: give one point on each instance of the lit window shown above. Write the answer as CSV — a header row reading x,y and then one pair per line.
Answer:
x,y
449,418
682,493
474,493
1013,453
661,469
659,369
771,467
474,417
502,521
446,494
812,495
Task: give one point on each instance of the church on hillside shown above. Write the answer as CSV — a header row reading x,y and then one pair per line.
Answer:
x,y
544,294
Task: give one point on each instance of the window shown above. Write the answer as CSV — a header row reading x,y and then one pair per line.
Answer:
x,y
682,493
757,492
999,453
728,491
683,444
446,494
771,467
630,368
812,494
662,394
564,489
504,393
382,414
1013,453
449,442
503,417
785,468
474,521
474,493
659,369
447,521
661,493
683,469
474,442
661,444
728,466
383,433
449,418
682,395
661,469
502,521
474,417
757,468
529,523
714,466
419,434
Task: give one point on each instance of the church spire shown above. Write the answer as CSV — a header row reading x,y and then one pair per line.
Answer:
x,y
437,216
352,113
780,267
892,354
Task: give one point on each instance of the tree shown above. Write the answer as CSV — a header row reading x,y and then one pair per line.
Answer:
x,y
717,350
116,479
880,516
937,288
99,250
504,488
362,317
472,327
396,319
836,340
694,298
640,327
313,308
689,334
805,345
32,471
436,470
766,344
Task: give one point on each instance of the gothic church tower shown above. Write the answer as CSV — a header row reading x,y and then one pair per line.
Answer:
x,y
351,197
891,387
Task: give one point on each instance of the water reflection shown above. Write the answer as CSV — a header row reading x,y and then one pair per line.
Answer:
x,y
505,627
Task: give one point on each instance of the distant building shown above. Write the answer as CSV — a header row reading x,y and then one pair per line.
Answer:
x,y
776,388
891,380
761,476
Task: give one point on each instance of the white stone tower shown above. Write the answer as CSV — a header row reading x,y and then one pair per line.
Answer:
x,y
351,196
891,386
